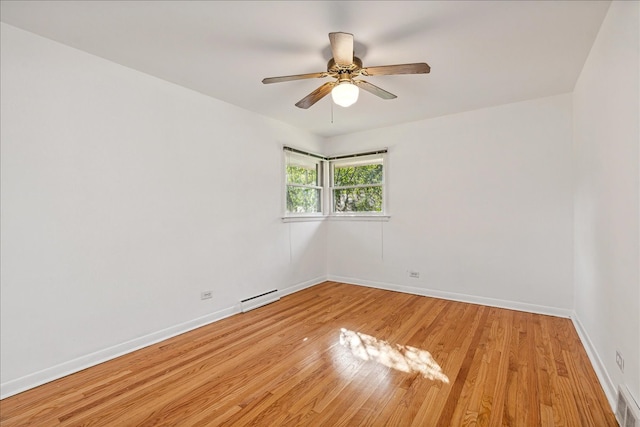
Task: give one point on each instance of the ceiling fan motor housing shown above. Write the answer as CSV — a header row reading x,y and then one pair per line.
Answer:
x,y
354,68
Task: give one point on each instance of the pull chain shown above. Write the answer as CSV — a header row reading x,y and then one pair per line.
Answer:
x,y
331,112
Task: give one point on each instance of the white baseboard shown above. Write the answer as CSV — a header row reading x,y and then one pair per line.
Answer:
x,y
18,385
471,299
301,286
601,372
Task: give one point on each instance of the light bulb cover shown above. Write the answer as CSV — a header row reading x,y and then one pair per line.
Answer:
x,y
345,94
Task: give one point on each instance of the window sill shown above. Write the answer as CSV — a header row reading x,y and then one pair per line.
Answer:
x,y
380,218
303,218
308,218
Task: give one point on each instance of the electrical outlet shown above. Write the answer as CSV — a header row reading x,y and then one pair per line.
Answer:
x,y
414,274
620,361
206,295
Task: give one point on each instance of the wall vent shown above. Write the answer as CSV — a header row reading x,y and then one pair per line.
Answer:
x,y
627,410
260,300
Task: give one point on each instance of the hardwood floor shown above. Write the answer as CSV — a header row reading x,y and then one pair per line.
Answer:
x,y
303,361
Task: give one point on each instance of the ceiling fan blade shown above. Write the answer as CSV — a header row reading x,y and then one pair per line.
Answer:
x,y
294,77
374,89
316,95
342,48
385,70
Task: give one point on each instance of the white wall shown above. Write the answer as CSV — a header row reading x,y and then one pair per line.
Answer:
x,y
124,197
607,213
117,209
480,205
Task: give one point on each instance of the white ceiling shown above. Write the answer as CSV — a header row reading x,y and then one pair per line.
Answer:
x,y
481,53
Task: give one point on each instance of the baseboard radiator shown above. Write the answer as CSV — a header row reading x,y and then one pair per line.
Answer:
x,y
259,300
627,410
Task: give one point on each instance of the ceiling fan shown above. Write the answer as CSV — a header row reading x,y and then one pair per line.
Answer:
x,y
344,66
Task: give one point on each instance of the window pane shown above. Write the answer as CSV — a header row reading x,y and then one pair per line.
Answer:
x,y
362,199
302,175
357,175
303,200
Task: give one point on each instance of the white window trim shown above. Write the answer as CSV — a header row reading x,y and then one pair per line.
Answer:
x,y
364,216
359,217
326,191
303,216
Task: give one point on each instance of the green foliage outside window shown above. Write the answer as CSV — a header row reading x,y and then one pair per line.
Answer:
x,y
362,189
361,199
344,176
357,184
302,199
302,175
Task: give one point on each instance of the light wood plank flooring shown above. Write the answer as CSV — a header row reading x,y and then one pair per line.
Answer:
x,y
339,355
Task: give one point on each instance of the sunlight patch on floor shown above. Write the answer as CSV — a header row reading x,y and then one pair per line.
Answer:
x,y
400,357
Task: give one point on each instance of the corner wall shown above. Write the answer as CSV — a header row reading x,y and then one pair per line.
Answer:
x,y
480,205
607,198
123,198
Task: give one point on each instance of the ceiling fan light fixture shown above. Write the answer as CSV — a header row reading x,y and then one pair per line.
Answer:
x,y
345,94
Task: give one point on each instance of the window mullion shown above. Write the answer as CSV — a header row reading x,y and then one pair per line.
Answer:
x,y
346,187
316,187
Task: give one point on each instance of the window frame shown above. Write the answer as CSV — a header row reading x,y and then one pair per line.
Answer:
x,y
308,158
325,166
363,159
